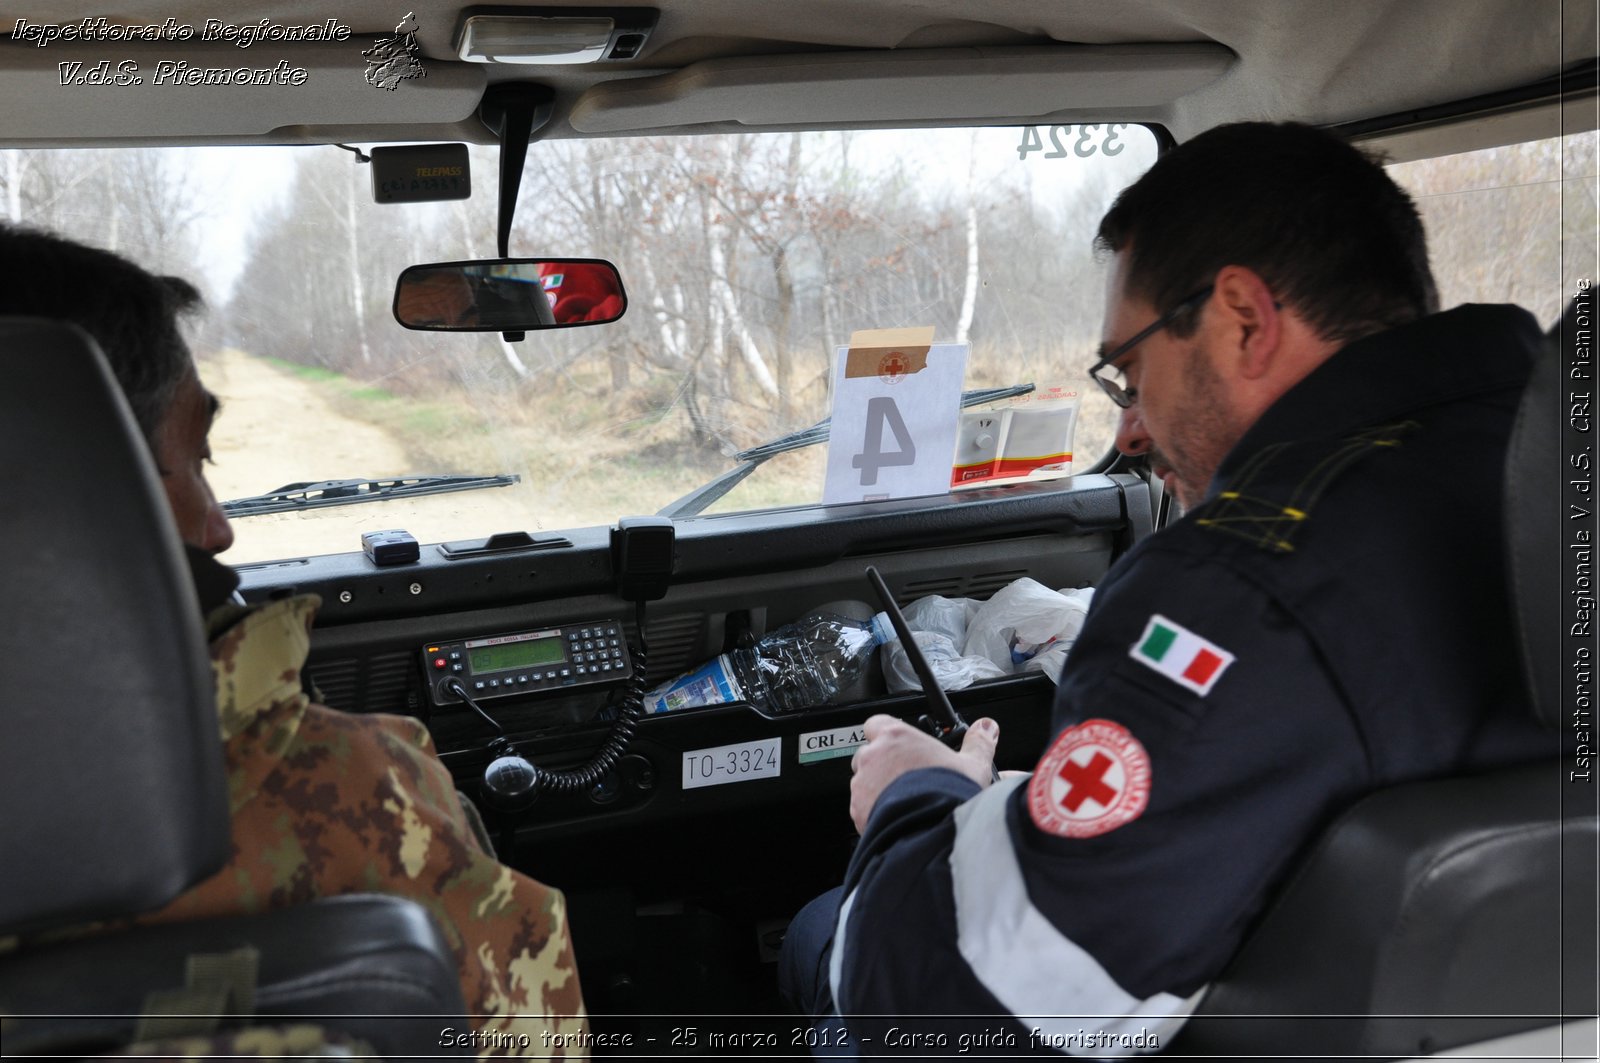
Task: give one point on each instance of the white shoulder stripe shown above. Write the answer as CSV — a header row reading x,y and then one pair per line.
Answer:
x,y
1037,972
836,954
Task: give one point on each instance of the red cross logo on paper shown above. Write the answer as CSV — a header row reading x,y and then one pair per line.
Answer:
x,y
1095,779
893,367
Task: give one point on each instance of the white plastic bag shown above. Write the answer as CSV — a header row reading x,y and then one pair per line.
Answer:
x,y
939,625
950,668
1025,627
944,616
1027,621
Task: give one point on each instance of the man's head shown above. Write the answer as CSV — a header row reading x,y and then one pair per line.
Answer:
x,y
1261,249
133,316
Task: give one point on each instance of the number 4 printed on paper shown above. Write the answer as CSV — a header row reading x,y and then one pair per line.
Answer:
x,y
883,413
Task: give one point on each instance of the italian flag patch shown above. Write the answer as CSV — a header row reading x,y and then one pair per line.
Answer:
x,y
1180,655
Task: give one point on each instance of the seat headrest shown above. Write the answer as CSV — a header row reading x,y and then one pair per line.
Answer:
x,y
109,747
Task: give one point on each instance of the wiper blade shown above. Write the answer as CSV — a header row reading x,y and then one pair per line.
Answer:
x,y
324,493
700,498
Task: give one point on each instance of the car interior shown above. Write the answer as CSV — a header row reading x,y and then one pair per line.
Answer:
x,y
1448,914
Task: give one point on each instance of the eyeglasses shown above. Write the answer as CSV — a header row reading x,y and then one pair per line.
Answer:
x,y
1124,397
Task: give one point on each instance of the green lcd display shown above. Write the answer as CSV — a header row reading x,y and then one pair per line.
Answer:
x,y
530,654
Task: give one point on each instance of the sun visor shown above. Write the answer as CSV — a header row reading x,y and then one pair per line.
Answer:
x,y
1132,82
74,90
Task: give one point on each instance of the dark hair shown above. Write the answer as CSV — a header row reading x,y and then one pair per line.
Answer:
x,y
1328,230
131,313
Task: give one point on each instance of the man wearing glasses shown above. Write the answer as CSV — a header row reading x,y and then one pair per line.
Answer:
x,y
1328,618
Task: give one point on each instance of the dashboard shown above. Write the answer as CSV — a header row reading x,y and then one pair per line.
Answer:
x,y
716,823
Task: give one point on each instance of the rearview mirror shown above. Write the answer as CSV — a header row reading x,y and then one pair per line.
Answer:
x,y
509,295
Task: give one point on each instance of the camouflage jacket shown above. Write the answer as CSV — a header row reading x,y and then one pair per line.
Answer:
x,y
326,802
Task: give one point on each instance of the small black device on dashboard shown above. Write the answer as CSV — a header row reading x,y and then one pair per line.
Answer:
x,y
395,547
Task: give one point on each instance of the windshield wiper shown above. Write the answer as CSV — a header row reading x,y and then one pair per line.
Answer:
x,y
701,497
326,493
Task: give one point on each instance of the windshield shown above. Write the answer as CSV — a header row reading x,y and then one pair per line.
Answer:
x,y
747,260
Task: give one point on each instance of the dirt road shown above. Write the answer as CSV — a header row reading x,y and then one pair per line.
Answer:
x,y
261,401
278,428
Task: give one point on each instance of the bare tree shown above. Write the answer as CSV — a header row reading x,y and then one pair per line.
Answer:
x,y
969,296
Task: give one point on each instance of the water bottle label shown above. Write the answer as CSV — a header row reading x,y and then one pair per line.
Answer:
x,y
1022,652
712,683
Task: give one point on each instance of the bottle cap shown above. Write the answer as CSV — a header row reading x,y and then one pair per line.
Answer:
x,y
882,629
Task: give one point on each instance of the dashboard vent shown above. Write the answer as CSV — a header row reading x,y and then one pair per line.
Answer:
x,y
378,684
949,587
390,686
676,644
980,585
336,682
984,586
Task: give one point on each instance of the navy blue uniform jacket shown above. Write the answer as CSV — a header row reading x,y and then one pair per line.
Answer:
x,y
1332,619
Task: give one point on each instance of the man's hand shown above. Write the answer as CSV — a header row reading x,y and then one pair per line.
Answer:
x,y
894,747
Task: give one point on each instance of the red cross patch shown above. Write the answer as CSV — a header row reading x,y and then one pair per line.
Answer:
x,y
1094,779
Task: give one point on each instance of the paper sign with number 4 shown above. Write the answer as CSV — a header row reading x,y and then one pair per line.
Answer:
x,y
896,407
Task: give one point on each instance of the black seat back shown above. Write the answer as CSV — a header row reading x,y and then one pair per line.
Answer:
x,y
112,765
110,731
1445,912
1429,916
1535,470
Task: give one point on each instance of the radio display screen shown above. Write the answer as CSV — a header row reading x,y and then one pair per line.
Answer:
x,y
530,654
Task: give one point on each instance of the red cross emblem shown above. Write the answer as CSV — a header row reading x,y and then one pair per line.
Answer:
x,y
893,367
1085,782
1094,779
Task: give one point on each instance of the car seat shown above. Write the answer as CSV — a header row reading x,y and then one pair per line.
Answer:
x,y
112,766
1446,912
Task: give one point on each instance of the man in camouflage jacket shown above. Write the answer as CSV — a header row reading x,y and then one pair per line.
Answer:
x,y
326,802
323,802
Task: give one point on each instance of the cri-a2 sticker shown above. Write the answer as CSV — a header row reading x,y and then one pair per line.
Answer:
x,y
1094,779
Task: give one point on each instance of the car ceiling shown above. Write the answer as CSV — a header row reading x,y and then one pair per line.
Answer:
x,y
742,64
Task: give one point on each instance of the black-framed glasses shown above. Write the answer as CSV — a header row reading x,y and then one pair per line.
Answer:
x,y
1124,397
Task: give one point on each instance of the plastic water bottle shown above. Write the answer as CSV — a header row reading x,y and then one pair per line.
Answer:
x,y
797,666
